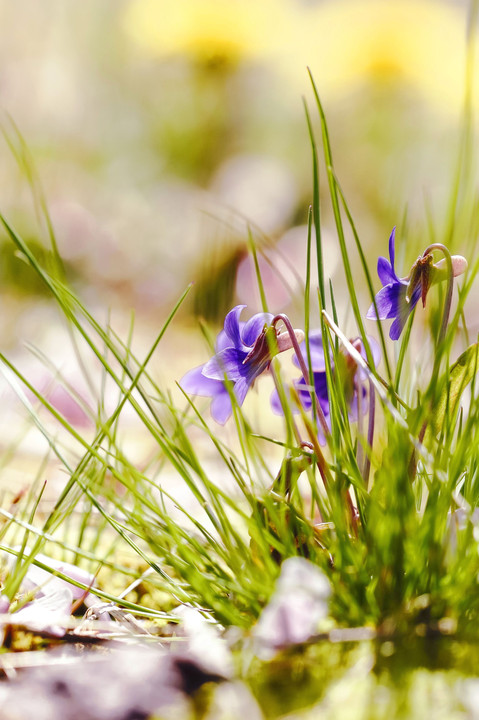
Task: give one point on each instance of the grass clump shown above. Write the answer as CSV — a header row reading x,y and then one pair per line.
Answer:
x,y
372,478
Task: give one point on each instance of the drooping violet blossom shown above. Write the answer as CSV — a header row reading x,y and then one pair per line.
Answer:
x,y
319,375
399,296
244,350
354,378
351,376
392,300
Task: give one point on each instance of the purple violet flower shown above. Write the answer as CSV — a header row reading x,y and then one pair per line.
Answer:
x,y
352,377
392,300
242,353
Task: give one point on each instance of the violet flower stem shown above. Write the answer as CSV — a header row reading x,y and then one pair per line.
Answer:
x,y
313,444
450,285
324,471
442,334
359,448
320,460
297,435
412,469
371,421
303,367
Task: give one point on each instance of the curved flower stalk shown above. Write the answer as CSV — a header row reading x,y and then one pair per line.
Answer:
x,y
244,351
399,296
352,378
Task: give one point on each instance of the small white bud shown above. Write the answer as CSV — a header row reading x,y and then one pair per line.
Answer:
x,y
459,265
284,341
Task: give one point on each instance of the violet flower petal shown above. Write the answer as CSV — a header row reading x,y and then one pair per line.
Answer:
x,y
223,341
227,363
375,351
392,250
221,407
276,403
386,272
397,327
386,302
241,388
196,383
232,325
254,327
318,363
321,388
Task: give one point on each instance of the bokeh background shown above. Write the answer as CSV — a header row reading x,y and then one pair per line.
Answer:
x,y
162,130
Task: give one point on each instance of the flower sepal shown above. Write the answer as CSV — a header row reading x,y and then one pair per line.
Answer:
x,y
420,277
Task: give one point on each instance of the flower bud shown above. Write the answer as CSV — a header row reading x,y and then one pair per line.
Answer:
x,y
420,277
459,266
284,341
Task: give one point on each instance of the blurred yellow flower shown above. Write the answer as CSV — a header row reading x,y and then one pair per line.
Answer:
x,y
420,43
205,29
